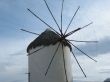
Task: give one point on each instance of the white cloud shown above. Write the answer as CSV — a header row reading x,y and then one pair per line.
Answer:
x,y
98,12
13,60
92,69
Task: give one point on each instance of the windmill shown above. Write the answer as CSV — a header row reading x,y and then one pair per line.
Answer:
x,y
49,54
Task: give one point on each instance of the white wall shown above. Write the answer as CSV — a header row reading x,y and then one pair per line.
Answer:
x,y
39,61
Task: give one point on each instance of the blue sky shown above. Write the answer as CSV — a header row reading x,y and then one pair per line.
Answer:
x,y
14,16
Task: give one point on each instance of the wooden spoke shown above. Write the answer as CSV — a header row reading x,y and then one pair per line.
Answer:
x,y
61,15
64,64
71,20
36,50
43,21
84,41
78,64
82,52
52,59
29,32
52,15
70,33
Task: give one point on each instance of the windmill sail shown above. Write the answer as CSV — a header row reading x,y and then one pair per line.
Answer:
x,y
49,54
49,59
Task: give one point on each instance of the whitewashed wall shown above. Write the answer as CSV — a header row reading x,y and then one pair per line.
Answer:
x,y
39,61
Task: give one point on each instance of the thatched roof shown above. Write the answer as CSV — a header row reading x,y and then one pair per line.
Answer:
x,y
46,38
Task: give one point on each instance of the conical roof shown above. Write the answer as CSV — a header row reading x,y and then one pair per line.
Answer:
x,y
48,37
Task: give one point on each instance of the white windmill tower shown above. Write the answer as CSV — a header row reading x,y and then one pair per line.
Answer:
x,y
49,54
49,58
